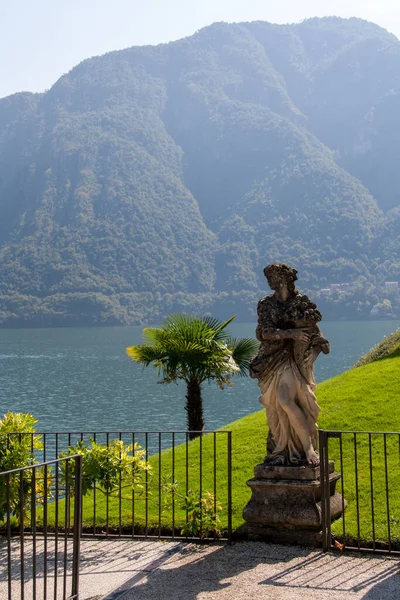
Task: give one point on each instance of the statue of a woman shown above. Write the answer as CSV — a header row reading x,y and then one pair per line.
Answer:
x,y
284,366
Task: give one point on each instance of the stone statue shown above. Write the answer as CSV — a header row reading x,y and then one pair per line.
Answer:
x,y
284,366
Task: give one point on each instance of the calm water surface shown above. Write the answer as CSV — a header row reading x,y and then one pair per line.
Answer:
x,y
80,379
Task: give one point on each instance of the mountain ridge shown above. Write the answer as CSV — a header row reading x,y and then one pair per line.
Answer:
x,y
163,178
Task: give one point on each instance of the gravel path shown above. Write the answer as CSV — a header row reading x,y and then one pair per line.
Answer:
x,y
152,570
256,570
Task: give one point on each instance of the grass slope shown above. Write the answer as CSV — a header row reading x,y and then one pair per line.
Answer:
x,y
388,346
361,399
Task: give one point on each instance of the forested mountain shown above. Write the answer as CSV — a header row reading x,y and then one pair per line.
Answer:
x,y
165,178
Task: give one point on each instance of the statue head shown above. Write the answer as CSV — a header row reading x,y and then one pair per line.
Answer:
x,y
280,273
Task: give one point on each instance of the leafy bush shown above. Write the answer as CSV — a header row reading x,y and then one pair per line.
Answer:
x,y
17,451
111,468
202,515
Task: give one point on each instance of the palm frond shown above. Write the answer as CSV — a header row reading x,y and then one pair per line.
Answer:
x,y
243,349
188,328
219,327
146,354
187,346
150,335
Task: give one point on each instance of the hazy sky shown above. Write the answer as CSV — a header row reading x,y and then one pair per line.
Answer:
x,y
42,39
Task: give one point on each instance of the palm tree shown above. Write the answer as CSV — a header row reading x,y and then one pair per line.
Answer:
x,y
194,349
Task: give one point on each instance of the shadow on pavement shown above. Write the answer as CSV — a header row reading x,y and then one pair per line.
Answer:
x,y
199,569
190,571
338,573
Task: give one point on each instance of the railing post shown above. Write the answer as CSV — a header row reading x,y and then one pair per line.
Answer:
x,y
229,487
21,508
322,453
8,502
77,527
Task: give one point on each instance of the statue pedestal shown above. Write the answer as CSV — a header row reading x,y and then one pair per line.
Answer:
x,y
285,506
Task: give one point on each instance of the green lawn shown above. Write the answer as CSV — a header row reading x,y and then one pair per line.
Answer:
x,y
363,399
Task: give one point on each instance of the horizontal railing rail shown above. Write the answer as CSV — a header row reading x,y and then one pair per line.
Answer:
x,y
186,492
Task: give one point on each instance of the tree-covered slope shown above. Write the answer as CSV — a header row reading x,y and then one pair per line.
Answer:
x,y
159,178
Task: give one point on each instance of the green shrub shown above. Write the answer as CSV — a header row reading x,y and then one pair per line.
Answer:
x,y
17,451
111,468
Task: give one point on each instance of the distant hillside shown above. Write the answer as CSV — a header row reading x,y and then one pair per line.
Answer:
x,y
164,178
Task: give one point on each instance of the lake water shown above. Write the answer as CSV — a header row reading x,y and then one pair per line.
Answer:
x,y
81,380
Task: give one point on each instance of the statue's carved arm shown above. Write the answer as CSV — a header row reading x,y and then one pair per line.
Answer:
x,y
321,344
275,334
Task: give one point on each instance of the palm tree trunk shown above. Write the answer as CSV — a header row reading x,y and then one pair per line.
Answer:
x,y
194,408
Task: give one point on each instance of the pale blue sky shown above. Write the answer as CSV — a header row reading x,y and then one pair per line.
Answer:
x,y
42,39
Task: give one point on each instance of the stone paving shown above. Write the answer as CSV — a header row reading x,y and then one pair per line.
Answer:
x,y
144,570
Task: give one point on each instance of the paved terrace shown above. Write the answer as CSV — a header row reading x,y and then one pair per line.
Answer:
x,y
147,570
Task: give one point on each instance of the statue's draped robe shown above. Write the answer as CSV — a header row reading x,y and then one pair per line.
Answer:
x,y
274,358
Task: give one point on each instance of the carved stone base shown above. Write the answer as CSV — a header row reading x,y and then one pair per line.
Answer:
x,y
285,505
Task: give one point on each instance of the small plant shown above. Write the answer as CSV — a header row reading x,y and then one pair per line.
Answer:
x,y
111,468
202,515
202,512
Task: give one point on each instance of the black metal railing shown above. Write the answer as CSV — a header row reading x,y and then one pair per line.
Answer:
x,y
187,492
369,465
40,555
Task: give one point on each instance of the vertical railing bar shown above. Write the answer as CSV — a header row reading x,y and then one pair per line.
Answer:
x,y
322,476
77,526
66,521
159,484
173,485
21,534
68,498
187,478
327,494
56,525
201,482
8,501
357,495
107,498
133,487
147,486
387,492
94,497
215,474
44,447
32,460
120,494
372,489
342,486
229,487
45,517
33,525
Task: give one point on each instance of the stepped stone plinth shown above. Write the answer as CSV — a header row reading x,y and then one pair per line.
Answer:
x,y
285,506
